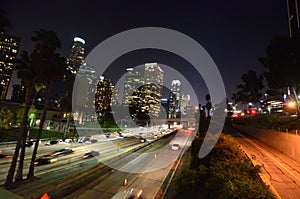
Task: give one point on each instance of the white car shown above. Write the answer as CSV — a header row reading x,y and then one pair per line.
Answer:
x,y
129,194
175,147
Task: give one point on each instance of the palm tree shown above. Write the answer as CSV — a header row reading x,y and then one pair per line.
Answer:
x,y
208,105
52,66
26,71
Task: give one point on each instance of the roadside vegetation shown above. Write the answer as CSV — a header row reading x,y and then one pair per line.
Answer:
x,y
225,172
11,134
270,121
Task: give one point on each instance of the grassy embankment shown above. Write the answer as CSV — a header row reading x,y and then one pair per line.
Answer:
x,y
225,172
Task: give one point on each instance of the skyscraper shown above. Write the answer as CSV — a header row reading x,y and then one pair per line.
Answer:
x,y
76,57
103,95
175,96
8,52
152,89
133,81
143,91
84,94
185,102
74,61
293,16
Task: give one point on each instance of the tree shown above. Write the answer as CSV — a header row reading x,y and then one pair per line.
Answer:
x,y
51,66
27,73
208,105
251,88
282,62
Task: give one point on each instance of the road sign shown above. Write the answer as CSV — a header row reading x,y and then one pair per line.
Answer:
x,y
118,144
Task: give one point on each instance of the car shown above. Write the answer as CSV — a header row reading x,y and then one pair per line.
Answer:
x,y
52,142
132,193
62,152
29,143
91,154
175,147
252,111
94,141
5,156
43,161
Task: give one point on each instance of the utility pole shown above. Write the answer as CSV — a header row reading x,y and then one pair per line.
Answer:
x,y
293,16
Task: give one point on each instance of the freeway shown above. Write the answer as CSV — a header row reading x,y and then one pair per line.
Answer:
x,y
105,148
72,171
67,161
146,171
278,170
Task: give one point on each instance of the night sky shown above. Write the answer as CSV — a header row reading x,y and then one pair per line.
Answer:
x,y
235,33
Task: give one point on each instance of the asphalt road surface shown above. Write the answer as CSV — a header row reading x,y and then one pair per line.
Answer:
x,y
281,172
147,171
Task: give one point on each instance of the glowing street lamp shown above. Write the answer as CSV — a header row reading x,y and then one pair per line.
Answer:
x,y
291,104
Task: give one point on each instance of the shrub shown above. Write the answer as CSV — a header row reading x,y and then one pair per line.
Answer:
x,y
224,173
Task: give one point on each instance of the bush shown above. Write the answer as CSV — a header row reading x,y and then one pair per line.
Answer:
x,y
270,121
224,173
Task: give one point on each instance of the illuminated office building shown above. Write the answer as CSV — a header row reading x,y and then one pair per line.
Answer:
x,y
86,73
103,95
133,80
74,61
185,102
143,91
175,99
152,89
76,57
8,52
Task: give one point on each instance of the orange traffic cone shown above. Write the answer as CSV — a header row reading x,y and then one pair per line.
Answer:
x,y
45,196
125,182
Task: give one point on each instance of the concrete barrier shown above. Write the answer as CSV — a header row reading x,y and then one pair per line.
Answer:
x,y
286,143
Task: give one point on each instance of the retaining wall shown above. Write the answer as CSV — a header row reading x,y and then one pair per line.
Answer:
x,y
288,144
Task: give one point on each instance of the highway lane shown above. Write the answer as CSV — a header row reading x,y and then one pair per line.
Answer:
x,y
71,160
280,171
146,171
58,181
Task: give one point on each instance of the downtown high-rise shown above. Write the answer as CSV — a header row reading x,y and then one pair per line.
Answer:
x,y
175,99
143,91
76,57
152,89
133,80
9,47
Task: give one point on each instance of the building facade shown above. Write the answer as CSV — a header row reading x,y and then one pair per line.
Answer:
x,y
9,47
133,80
143,91
152,89
185,102
175,99
103,95
76,57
